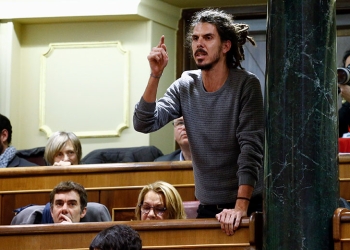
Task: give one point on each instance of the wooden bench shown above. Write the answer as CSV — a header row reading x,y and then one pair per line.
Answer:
x,y
341,229
164,234
344,176
114,185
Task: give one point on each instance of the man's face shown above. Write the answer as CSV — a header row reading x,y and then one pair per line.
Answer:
x,y
66,155
207,47
66,207
180,132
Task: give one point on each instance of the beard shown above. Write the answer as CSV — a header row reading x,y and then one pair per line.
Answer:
x,y
207,66
211,64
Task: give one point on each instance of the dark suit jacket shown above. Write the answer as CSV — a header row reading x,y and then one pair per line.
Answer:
x,y
20,162
35,155
174,156
115,155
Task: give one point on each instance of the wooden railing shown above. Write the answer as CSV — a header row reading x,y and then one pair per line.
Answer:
x,y
164,234
114,185
341,229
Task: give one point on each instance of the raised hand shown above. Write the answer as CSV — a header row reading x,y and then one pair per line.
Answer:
x,y
158,58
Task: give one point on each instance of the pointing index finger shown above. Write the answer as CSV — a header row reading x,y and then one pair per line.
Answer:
x,y
161,42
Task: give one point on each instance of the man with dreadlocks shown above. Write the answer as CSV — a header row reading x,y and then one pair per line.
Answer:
x,y
222,107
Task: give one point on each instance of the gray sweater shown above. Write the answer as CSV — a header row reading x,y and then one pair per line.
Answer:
x,y
225,130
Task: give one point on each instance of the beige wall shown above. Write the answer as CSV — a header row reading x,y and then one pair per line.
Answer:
x,y
24,41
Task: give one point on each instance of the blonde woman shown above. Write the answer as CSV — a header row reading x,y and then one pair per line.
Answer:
x,y
159,201
62,149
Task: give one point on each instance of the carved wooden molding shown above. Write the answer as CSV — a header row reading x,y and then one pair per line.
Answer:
x,y
82,89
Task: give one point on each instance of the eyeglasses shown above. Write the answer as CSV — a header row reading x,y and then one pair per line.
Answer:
x,y
159,211
178,123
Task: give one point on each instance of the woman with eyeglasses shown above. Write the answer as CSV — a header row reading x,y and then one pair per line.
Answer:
x,y
159,201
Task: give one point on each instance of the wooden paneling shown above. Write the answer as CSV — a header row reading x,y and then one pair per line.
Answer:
x,y
96,175
165,234
114,185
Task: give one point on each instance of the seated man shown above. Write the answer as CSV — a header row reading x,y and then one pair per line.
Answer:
x,y
8,157
68,203
180,135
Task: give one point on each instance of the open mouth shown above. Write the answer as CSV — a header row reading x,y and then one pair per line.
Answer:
x,y
200,53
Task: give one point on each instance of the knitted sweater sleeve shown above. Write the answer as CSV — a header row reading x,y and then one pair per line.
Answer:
x,y
149,117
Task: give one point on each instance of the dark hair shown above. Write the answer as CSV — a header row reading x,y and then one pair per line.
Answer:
x,y
6,124
345,56
66,186
117,237
228,31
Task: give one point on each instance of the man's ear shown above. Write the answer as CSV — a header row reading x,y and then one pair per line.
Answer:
x,y
226,46
83,213
4,135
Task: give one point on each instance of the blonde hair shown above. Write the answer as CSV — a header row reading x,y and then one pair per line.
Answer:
x,y
173,201
57,141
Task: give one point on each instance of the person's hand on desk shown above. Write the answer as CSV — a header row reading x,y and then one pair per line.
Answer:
x,y
62,163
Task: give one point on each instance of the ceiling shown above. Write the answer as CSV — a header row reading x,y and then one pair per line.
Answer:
x,y
189,4
342,5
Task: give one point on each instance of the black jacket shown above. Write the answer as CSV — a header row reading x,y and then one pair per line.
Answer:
x,y
20,162
174,156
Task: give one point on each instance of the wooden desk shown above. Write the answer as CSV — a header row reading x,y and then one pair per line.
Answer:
x,y
344,176
164,234
114,185
96,175
341,229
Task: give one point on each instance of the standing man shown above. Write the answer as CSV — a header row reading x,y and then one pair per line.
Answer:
x,y
222,107
8,157
180,134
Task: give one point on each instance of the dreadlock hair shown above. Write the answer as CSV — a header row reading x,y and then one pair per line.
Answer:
x,y
237,33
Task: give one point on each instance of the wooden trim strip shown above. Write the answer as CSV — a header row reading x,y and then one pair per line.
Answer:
x,y
95,168
89,189
95,226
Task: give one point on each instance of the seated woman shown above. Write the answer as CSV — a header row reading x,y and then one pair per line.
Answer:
x,y
62,149
159,201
